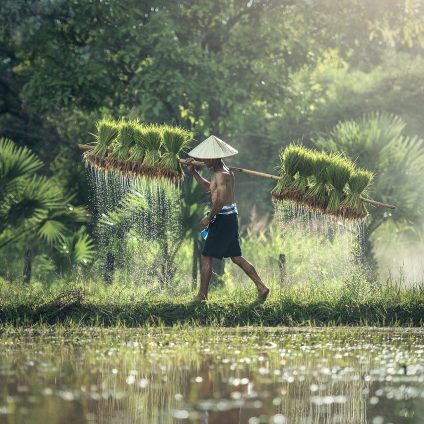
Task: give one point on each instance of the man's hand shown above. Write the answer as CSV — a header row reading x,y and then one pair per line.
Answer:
x,y
205,184
190,165
204,222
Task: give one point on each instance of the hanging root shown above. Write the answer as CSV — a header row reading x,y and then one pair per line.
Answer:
x,y
292,194
317,204
132,168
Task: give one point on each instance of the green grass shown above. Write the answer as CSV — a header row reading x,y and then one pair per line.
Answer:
x,y
352,302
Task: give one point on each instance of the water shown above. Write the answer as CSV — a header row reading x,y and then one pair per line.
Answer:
x,y
138,224
306,223
193,375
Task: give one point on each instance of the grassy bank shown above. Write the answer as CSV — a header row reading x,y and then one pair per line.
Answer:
x,y
350,302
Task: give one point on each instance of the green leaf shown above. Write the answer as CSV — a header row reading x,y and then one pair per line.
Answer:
x,y
52,231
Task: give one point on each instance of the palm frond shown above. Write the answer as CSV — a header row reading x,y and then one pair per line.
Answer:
x,y
16,164
31,203
76,249
52,231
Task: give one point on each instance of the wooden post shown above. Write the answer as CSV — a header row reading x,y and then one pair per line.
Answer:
x,y
27,265
282,266
109,267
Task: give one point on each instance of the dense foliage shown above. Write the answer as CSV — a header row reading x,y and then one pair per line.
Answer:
x,y
260,74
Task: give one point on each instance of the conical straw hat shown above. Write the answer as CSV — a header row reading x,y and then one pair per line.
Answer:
x,y
212,148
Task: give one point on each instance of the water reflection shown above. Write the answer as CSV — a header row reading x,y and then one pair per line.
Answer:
x,y
212,376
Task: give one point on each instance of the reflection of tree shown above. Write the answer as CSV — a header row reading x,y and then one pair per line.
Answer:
x,y
290,373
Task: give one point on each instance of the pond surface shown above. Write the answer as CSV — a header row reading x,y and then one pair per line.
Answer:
x,y
159,375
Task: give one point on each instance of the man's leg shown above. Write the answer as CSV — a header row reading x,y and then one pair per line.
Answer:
x,y
205,277
250,271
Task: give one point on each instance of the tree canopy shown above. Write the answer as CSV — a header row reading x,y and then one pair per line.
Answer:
x,y
257,73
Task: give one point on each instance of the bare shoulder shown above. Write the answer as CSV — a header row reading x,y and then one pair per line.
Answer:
x,y
222,176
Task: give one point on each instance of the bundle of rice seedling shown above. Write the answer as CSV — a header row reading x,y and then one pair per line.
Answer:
x,y
352,207
339,171
153,139
106,133
306,169
137,151
290,159
176,141
124,141
118,157
316,195
152,151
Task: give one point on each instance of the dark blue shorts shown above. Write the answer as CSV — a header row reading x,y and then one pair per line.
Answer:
x,y
223,239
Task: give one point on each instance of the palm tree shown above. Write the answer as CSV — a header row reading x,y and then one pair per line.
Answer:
x,y
116,224
378,142
135,209
33,208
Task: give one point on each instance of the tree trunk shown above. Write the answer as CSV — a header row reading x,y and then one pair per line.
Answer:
x,y
27,265
282,266
109,267
366,256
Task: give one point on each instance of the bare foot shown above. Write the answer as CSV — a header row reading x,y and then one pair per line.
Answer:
x,y
200,299
263,294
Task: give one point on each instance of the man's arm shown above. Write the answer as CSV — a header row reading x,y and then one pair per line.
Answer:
x,y
203,182
206,185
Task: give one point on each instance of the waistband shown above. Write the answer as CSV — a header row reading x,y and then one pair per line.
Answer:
x,y
228,209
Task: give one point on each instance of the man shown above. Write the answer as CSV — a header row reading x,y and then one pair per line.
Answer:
x,y
223,239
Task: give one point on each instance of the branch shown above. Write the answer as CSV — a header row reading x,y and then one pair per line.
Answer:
x,y
231,23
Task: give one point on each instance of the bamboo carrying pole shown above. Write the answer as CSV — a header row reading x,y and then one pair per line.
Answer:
x,y
86,147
